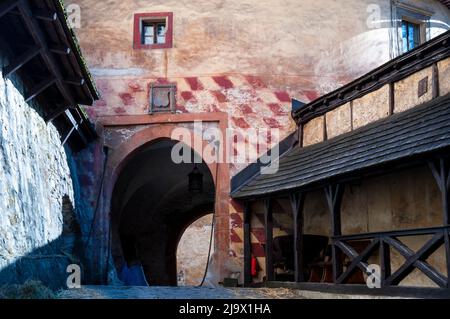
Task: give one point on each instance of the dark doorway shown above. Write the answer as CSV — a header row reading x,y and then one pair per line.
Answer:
x,y
151,207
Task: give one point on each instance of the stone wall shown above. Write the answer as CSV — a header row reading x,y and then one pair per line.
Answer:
x,y
34,178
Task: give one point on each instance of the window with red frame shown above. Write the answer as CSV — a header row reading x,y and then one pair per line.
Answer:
x,y
153,30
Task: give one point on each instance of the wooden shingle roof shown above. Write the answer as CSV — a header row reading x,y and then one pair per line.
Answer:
x,y
419,131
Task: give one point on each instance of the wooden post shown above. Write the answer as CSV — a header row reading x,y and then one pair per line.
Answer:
x,y
297,203
435,88
440,169
385,261
334,194
441,173
268,218
447,254
247,245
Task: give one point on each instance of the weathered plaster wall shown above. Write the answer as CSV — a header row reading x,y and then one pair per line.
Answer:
x,y
339,121
34,178
380,103
247,58
406,91
408,199
192,252
405,200
371,107
444,73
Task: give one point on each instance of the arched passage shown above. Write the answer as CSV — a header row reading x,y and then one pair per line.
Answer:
x,y
151,207
194,247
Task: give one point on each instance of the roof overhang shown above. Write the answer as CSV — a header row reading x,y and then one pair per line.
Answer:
x,y
398,140
44,54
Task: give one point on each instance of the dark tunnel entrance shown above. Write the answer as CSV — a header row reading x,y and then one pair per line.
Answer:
x,y
152,206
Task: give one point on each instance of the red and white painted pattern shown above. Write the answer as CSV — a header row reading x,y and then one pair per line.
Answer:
x,y
247,99
249,103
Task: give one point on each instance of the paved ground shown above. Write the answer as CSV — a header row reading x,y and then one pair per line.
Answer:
x,y
112,292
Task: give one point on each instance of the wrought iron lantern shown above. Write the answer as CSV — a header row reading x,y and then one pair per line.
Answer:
x,y
196,181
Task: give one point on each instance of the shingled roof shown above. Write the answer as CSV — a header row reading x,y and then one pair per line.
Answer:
x,y
421,130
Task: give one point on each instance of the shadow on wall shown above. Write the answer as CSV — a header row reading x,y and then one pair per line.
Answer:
x,y
48,264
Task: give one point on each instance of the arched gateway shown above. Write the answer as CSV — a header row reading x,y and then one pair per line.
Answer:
x,y
147,204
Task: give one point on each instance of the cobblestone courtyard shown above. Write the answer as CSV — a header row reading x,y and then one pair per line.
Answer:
x,y
111,292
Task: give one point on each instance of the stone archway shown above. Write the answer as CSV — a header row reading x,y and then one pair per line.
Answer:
x,y
151,205
121,156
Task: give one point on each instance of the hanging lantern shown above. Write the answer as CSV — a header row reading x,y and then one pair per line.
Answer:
x,y
196,181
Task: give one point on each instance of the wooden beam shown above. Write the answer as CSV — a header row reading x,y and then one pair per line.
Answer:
x,y
7,6
359,261
385,262
447,254
247,245
88,101
440,169
77,81
45,15
56,113
300,135
59,49
64,141
391,98
396,233
21,60
38,36
334,194
268,218
417,260
39,88
297,203
435,89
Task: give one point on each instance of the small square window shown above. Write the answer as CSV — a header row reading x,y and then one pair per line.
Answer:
x,y
411,35
153,30
162,98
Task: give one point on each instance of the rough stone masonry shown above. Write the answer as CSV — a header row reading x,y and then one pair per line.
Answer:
x,y
34,178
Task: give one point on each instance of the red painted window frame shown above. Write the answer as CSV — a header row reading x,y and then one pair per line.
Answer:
x,y
169,30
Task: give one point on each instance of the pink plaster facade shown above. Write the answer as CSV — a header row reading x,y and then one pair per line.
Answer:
x,y
245,59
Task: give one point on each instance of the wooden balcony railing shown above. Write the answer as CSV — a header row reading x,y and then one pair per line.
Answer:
x,y
384,242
